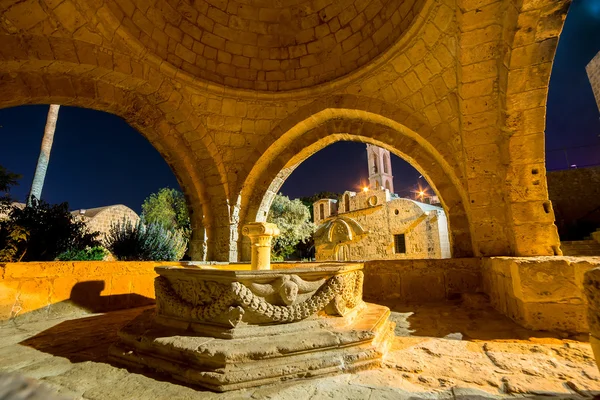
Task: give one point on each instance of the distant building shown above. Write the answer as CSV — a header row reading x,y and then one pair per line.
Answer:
x,y
100,219
377,224
593,72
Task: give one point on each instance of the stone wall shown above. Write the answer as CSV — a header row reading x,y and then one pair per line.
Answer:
x,y
575,196
421,281
367,231
593,72
44,289
540,293
457,88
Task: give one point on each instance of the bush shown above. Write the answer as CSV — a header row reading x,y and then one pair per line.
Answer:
x,y
88,254
145,242
42,231
293,219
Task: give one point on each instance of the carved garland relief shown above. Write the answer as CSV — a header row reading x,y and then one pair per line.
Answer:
x,y
206,301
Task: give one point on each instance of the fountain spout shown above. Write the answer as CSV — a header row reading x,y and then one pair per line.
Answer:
x,y
261,235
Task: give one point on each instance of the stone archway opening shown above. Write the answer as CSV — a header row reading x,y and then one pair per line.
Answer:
x,y
361,213
369,129
91,165
362,216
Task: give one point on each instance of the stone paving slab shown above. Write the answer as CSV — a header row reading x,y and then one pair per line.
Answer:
x,y
70,357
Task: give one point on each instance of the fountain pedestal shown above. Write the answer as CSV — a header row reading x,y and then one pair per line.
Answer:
x,y
231,329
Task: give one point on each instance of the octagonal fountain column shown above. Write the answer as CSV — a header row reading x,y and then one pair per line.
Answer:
x,y
261,235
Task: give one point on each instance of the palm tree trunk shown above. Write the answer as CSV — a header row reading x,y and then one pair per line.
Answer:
x,y
42,164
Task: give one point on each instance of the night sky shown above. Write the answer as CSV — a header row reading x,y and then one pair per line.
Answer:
x,y
98,160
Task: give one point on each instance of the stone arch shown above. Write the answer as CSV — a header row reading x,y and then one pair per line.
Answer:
x,y
346,202
135,100
336,124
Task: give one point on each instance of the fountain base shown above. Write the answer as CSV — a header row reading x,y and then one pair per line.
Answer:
x,y
227,330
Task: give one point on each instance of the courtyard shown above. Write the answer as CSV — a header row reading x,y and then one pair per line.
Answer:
x,y
444,350
234,95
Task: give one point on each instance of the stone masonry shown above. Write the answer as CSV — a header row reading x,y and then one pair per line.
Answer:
x,y
101,219
593,72
368,225
236,93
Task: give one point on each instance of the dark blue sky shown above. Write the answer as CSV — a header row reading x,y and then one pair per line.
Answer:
x,y
97,159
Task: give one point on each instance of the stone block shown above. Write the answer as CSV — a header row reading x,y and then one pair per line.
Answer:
x,y
423,287
555,317
382,286
546,281
34,295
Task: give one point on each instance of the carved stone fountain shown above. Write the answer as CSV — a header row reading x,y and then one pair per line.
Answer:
x,y
229,329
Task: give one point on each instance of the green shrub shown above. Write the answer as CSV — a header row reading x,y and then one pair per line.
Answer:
x,y
145,242
41,232
88,254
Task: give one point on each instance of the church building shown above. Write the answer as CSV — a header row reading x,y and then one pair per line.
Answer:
x,y
378,224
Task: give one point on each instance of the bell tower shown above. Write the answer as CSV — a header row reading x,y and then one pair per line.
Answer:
x,y
380,168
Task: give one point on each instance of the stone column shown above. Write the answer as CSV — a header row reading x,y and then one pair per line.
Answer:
x,y
261,235
591,285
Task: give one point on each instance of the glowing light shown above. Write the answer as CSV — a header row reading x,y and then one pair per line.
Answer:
x,y
365,189
421,193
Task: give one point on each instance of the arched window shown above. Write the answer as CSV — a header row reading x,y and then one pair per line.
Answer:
x,y
386,161
375,164
377,184
322,210
346,202
387,186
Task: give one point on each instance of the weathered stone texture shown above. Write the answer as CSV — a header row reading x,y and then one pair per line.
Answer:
x,y
541,293
366,223
593,72
101,219
456,88
44,289
421,281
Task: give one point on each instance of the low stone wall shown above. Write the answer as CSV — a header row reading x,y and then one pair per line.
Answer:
x,y
46,289
540,293
419,281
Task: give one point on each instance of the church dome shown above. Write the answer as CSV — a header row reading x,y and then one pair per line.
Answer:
x,y
265,44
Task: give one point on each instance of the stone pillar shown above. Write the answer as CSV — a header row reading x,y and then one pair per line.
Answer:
x,y
261,235
591,285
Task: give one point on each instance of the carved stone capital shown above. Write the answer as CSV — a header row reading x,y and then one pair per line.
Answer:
x,y
260,234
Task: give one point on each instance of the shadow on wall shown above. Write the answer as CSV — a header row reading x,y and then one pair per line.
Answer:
x,y
86,298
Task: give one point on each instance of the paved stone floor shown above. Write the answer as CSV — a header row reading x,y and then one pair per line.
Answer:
x,y
443,351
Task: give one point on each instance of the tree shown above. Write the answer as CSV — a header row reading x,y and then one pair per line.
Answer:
x,y
41,232
7,179
167,208
44,158
293,219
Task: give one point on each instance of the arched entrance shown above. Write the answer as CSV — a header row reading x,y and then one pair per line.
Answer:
x,y
337,124
78,87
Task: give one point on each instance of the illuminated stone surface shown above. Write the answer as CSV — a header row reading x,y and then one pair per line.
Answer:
x,y
233,329
235,94
483,354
